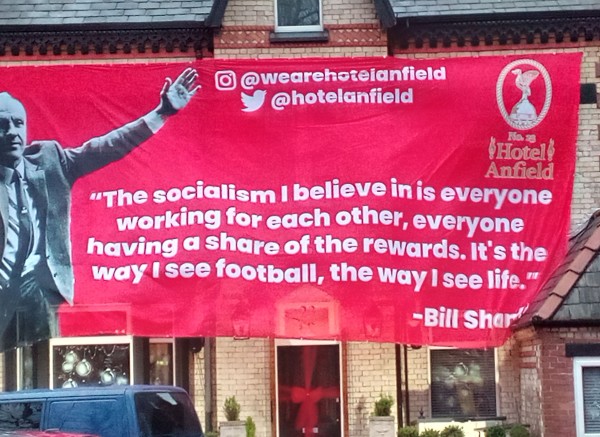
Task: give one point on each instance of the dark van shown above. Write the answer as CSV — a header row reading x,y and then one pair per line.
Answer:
x,y
115,411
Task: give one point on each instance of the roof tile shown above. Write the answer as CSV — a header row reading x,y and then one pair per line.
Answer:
x,y
56,12
594,241
566,282
412,8
573,290
549,307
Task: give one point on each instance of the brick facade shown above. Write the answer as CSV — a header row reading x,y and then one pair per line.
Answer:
x,y
371,372
353,31
535,378
546,373
244,369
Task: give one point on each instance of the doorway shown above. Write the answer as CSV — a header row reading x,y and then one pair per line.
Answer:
x,y
309,389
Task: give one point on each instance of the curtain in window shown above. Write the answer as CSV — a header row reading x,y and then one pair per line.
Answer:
x,y
298,12
463,383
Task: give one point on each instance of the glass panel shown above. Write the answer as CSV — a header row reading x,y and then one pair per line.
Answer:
x,y
91,365
161,363
298,13
20,415
26,365
166,414
463,383
99,416
591,399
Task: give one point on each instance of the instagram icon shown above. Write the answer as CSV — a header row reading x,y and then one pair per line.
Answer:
x,y
225,80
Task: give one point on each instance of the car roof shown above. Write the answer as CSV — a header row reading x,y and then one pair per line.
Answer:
x,y
32,433
112,390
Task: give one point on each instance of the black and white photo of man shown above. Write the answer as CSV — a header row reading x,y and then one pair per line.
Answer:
x,y
36,273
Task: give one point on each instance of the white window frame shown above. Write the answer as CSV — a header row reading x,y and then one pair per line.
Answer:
x,y
288,29
294,342
496,377
578,364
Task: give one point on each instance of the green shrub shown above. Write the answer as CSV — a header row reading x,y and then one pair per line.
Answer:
x,y
383,405
495,431
408,431
429,433
250,427
232,409
211,434
519,430
452,431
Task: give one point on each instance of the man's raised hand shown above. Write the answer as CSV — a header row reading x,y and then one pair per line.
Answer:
x,y
176,95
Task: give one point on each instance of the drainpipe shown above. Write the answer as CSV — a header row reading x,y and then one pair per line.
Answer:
x,y
406,392
399,385
208,401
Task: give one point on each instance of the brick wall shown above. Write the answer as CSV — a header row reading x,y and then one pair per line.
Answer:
x,y
417,383
509,380
353,27
586,195
371,372
547,394
530,372
244,370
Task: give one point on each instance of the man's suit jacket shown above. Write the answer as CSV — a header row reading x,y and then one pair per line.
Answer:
x,y
50,172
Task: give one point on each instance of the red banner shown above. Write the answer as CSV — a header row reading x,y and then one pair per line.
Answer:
x,y
396,200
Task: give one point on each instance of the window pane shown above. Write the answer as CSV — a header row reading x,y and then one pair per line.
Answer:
x,y
166,414
91,365
298,13
98,416
161,363
20,415
463,383
591,398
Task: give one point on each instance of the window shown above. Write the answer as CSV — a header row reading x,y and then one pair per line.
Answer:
x,y
91,361
97,416
161,361
20,415
463,383
298,16
586,373
166,414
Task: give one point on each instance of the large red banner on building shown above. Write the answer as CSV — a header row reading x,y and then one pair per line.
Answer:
x,y
396,200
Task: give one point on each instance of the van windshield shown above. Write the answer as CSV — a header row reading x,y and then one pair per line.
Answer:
x,y
166,414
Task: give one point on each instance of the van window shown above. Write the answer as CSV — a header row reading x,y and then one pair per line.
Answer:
x,y
20,415
166,414
98,416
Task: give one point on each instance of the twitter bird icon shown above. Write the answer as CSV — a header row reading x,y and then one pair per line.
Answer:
x,y
253,102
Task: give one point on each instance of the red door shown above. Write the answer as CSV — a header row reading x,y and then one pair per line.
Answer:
x,y
309,391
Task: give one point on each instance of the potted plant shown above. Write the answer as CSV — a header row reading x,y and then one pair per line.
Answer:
x,y
427,432
495,431
452,431
382,423
408,431
250,427
234,427
519,430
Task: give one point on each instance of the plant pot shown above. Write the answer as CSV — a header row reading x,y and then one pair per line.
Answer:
x,y
236,428
382,426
